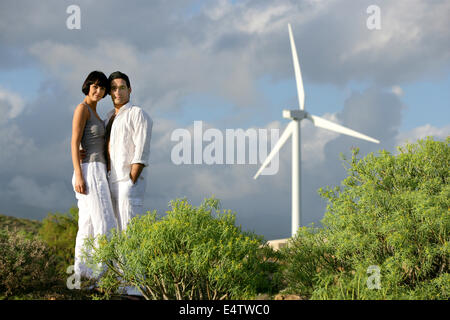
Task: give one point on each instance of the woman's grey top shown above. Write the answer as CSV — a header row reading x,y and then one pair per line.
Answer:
x,y
93,140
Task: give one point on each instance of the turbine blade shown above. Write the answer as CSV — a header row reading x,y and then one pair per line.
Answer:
x,y
286,134
322,123
298,73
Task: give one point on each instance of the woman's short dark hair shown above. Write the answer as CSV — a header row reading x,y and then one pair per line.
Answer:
x,y
119,75
98,78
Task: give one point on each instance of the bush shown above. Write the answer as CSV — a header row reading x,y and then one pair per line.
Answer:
x,y
391,212
59,231
26,264
187,254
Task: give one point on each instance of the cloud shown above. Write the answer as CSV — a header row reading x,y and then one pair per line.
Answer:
x,y
421,133
410,44
373,112
227,47
11,105
397,90
30,192
16,148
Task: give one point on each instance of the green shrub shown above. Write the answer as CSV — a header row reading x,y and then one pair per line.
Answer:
x,y
59,231
392,212
187,254
26,264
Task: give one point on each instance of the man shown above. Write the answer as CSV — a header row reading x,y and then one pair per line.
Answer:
x,y
128,134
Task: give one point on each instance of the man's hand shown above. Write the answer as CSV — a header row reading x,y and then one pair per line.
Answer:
x,y
82,155
136,169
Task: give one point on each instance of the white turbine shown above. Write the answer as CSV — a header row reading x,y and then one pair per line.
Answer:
x,y
293,128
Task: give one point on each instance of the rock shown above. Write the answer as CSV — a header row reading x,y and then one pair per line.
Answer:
x,y
293,297
288,297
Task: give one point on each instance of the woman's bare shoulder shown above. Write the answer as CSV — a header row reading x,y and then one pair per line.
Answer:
x,y
81,106
81,113
82,109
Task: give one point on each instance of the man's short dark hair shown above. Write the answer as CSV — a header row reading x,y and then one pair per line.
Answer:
x,y
98,78
119,75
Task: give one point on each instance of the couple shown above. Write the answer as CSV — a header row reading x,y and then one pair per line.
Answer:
x,y
108,175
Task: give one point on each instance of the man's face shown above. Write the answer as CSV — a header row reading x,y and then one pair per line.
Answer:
x,y
120,93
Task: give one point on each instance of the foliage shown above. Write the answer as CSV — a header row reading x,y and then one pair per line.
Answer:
x,y
392,212
59,231
33,269
25,264
187,254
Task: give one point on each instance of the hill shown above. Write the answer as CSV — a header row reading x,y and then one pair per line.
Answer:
x,y
19,224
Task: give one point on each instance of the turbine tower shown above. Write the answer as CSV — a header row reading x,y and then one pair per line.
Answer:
x,y
293,128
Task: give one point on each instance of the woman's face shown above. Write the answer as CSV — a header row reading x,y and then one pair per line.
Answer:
x,y
96,92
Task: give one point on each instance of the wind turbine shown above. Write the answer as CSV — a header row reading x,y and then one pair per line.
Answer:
x,y
293,128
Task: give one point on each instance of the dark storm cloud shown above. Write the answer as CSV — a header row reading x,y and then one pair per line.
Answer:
x,y
334,42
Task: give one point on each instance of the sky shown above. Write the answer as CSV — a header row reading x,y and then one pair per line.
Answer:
x,y
229,65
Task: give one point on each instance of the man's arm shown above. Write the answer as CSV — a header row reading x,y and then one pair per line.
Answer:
x,y
142,134
136,169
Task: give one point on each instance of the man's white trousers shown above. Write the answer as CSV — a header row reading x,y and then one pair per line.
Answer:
x,y
127,199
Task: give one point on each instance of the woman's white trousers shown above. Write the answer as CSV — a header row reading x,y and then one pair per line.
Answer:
x,y
95,214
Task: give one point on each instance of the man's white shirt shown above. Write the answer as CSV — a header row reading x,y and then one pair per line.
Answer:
x,y
129,140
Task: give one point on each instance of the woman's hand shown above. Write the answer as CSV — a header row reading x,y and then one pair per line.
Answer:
x,y
80,185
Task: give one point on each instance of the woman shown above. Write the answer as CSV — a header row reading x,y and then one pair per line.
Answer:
x,y
95,215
